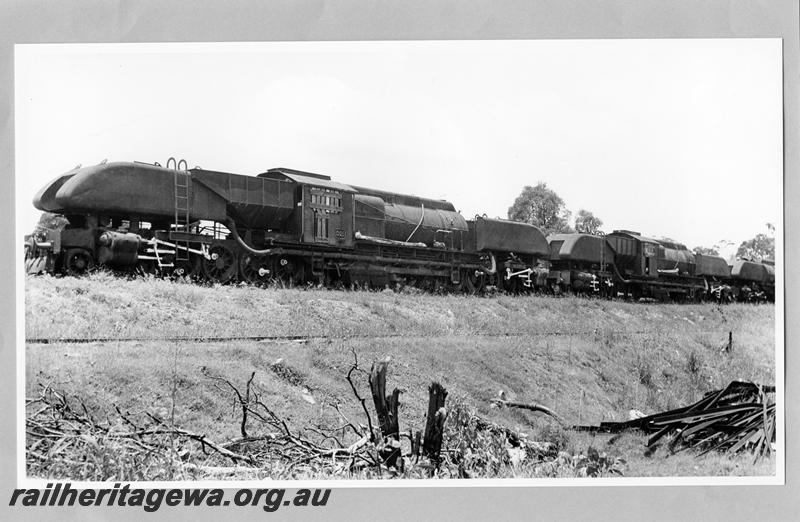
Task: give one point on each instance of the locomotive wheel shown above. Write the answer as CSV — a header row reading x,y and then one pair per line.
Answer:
x,y
221,268
183,269
441,285
512,286
726,296
289,271
431,284
472,282
254,269
78,261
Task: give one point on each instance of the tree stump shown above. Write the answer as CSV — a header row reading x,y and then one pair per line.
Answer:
x,y
386,407
434,424
416,443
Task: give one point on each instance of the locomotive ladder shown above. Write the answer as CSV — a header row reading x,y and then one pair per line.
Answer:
x,y
182,181
603,265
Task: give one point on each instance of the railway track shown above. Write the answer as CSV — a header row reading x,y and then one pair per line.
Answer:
x,y
307,338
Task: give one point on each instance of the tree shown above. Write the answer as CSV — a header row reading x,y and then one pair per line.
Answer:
x,y
707,251
760,247
542,207
587,223
715,249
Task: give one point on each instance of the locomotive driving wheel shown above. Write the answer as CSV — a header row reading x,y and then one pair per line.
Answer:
x,y
78,261
254,269
221,267
512,286
183,269
472,281
289,271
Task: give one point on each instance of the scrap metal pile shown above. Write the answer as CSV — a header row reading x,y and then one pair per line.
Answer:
x,y
741,416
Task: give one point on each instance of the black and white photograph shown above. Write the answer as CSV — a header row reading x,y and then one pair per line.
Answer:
x,y
484,260
353,261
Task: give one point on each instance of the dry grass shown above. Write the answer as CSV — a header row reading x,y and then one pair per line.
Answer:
x,y
589,360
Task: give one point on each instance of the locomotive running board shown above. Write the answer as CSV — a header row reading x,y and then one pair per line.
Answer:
x,y
177,235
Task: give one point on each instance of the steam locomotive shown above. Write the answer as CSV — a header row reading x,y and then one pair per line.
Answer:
x,y
629,263
298,227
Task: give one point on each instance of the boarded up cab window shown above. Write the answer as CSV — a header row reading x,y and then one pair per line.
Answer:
x,y
321,227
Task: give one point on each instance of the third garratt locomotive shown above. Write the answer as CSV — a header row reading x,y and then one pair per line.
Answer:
x,y
627,263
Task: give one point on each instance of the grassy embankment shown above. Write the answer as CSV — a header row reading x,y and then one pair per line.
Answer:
x,y
589,360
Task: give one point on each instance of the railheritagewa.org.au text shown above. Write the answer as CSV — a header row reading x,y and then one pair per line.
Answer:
x,y
268,499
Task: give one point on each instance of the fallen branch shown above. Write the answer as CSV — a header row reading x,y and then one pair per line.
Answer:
x,y
66,440
361,400
202,439
502,403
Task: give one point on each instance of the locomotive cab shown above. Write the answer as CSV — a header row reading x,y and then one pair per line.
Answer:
x,y
323,212
637,256
656,268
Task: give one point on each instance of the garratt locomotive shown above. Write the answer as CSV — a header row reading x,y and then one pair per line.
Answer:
x,y
627,263
282,224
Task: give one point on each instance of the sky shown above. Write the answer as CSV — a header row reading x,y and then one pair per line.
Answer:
x,y
671,138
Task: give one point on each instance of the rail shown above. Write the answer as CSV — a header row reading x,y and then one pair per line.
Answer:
x,y
321,337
